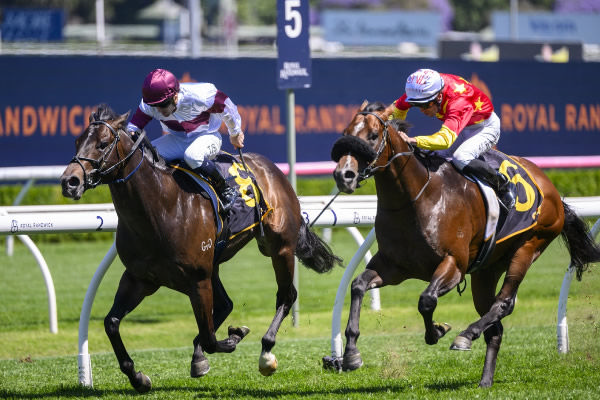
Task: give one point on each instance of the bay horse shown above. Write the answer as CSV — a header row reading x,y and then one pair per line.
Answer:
x,y
430,224
166,236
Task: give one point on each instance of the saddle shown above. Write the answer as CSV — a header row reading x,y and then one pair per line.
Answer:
x,y
527,209
249,208
502,224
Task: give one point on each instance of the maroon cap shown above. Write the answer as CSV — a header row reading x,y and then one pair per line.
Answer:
x,y
159,85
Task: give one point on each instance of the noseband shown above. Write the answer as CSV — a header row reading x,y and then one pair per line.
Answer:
x,y
94,178
371,168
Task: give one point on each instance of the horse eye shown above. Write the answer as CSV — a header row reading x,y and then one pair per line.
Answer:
x,y
102,145
372,136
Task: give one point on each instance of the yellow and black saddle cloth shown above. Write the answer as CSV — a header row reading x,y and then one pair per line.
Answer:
x,y
512,222
248,209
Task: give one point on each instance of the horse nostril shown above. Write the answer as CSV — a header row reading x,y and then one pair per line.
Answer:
x,y
349,174
73,181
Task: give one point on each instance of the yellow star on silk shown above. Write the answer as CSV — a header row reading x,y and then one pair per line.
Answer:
x,y
478,104
459,88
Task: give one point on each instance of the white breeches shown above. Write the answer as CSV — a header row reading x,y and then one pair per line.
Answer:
x,y
193,149
473,141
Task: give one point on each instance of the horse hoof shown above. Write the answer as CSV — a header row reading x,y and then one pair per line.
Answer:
x,y
242,331
461,343
267,363
442,328
141,383
332,363
352,361
485,383
199,368
438,332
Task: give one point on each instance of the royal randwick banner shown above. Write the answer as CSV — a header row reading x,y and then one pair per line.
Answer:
x,y
546,109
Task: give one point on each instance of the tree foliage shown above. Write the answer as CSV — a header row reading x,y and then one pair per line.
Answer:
x,y
469,15
474,15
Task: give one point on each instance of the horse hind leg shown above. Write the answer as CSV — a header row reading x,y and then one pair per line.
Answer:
x,y
503,303
129,295
283,265
493,339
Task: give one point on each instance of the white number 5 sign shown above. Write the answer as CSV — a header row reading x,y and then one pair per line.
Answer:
x,y
293,19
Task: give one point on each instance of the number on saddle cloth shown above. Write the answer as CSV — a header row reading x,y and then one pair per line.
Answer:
x,y
529,198
243,214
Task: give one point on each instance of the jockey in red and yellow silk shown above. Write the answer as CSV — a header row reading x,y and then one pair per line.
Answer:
x,y
462,104
470,127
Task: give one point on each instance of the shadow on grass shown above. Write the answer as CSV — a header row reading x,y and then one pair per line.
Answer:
x,y
207,393
450,386
389,386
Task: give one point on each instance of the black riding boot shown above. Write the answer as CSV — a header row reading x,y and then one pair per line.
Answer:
x,y
505,189
226,193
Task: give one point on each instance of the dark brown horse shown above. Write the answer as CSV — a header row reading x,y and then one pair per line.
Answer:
x,y
166,237
429,226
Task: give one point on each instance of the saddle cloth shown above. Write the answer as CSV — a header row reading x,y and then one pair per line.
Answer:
x,y
243,214
512,222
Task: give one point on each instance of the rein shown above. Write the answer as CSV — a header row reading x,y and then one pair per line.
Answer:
x,y
88,179
371,169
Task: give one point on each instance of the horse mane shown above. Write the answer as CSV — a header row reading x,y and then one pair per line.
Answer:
x,y
397,124
103,113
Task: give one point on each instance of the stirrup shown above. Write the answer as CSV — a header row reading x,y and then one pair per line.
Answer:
x,y
228,197
507,197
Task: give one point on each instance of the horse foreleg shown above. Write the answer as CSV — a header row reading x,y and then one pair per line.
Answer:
x,y
222,303
286,295
445,278
222,307
366,280
129,295
201,298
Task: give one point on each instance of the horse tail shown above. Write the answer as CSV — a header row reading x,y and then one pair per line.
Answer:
x,y
313,252
578,239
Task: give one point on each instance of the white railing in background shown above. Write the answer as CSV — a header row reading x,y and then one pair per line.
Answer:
x,y
562,328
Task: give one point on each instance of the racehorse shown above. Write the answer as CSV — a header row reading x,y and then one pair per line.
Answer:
x,y
429,226
166,234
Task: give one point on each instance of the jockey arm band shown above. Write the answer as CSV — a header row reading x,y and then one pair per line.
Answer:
x,y
440,140
139,120
398,113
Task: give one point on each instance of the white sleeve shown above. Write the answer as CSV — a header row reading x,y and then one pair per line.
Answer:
x,y
232,118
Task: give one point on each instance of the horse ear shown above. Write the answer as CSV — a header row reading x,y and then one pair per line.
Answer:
x,y
122,120
363,105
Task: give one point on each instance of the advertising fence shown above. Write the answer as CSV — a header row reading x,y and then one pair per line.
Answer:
x,y
546,109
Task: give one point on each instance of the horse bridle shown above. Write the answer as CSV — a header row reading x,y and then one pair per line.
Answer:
x,y
88,178
370,169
